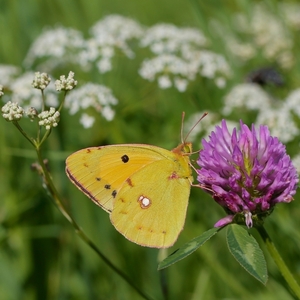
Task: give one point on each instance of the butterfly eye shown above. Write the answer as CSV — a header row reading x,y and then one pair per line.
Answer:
x,y
125,158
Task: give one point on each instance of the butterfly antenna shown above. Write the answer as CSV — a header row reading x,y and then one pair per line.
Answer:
x,y
181,131
184,141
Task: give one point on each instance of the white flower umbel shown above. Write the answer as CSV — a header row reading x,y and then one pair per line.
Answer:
x,y
168,38
248,95
264,32
11,111
26,96
112,33
88,96
291,13
49,118
296,162
164,82
179,58
55,47
66,84
292,102
280,122
116,31
1,90
86,120
41,81
8,73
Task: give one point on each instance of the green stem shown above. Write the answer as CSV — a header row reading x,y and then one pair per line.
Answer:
x,y
32,142
52,190
288,276
63,101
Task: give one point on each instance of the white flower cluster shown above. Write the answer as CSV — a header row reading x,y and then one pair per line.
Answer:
x,y
65,45
277,115
281,119
8,73
178,57
291,13
25,95
11,111
113,32
1,90
49,118
280,122
167,38
54,47
41,81
267,33
292,102
66,84
296,162
246,95
179,54
91,95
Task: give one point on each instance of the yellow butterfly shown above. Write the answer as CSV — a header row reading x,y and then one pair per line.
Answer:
x,y
144,188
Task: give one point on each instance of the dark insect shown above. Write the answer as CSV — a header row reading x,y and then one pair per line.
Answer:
x,y
265,76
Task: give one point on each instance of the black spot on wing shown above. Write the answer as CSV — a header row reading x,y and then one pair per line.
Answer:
x,y
107,186
114,193
125,158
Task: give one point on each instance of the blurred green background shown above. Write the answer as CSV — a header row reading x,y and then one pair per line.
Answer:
x,y
41,257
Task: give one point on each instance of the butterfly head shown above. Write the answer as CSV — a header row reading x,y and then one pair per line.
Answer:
x,y
183,149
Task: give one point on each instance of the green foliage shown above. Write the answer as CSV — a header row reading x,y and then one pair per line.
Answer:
x,y
247,252
41,256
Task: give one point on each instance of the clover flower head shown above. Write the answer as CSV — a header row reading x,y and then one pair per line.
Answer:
x,y
49,118
41,80
11,111
246,172
66,84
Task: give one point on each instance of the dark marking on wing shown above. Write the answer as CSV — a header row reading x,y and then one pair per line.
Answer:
x,y
125,158
85,191
98,178
107,186
88,150
128,180
86,165
173,176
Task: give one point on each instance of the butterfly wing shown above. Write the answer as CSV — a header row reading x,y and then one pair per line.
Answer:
x,y
100,172
151,206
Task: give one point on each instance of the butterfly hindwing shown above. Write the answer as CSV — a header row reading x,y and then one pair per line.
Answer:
x,y
150,208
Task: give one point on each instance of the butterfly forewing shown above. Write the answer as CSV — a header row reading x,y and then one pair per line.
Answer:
x,y
100,172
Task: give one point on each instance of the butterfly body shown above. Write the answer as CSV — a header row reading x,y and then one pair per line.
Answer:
x,y
144,188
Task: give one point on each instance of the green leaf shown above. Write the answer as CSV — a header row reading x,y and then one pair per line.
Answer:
x,y
188,248
247,252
